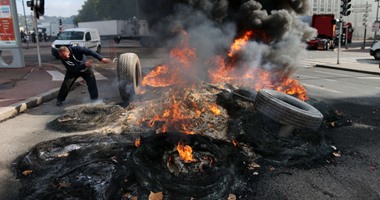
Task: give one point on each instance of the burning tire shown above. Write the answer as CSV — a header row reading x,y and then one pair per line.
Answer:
x,y
158,169
129,75
287,110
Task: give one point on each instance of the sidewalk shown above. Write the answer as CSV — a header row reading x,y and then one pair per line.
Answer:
x,y
360,62
28,87
25,88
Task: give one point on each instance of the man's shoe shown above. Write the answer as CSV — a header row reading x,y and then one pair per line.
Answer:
x,y
59,103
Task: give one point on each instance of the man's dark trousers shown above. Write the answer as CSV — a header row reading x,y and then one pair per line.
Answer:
x,y
69,80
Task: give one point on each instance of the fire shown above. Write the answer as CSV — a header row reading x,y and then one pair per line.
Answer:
x,y
185,152
160,77
137,142
293,87
177,113
255,78
181,60
214,108
258,79
239,43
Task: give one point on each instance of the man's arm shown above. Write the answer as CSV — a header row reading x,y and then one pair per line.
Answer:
x,y
89,52
94,54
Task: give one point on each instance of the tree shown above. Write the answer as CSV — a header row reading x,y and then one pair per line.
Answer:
x,y
94,10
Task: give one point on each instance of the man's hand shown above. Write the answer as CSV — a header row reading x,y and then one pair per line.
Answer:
x,y
88,63
105,60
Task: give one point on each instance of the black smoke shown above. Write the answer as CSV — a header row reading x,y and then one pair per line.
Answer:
x,y
278,42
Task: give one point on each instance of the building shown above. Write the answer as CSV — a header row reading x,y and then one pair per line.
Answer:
x,y
356,17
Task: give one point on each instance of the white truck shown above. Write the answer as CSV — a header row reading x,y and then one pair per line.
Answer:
x,y
117,30
52,28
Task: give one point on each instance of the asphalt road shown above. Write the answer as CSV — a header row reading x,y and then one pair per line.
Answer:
x,y
352,175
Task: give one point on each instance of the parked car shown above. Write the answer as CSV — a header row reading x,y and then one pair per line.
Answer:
x,y
375,50
85,37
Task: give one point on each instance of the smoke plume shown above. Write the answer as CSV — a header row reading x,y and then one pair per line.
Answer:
x,y
279,34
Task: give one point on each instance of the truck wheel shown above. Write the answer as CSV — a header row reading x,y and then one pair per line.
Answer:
x,y
332,46
377,55
117,39
287,110
327,46
129,75
99,49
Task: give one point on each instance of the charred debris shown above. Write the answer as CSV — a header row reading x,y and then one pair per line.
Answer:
x,y
136,162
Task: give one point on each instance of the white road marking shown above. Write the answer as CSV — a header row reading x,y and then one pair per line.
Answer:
x,y
58,76
331,80
369,78
321,88
377,88
99,76
1,100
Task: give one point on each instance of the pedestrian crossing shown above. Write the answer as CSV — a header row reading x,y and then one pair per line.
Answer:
x,y
59,76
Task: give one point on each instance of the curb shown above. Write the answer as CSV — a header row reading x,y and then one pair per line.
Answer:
x,y
22,106
31,102
347,69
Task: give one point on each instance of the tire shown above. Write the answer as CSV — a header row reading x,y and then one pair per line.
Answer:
x,y
332,45
117,39
129,75
377,55
287,110
99,49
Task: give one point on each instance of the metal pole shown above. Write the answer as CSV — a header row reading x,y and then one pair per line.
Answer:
x,y
377,18
26,25
38,41
365,35
340,36
365,24
346,38
137,9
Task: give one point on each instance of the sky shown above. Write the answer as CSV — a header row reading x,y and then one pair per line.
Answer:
x,y
60,8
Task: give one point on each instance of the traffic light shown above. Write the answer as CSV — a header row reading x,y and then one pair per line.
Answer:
x,y
60,25
39,5
345,7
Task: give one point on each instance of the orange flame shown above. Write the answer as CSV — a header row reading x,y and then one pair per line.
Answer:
x,y
255,78
180,66
160,77
137,142
185,152
179,114
239,43
214,108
